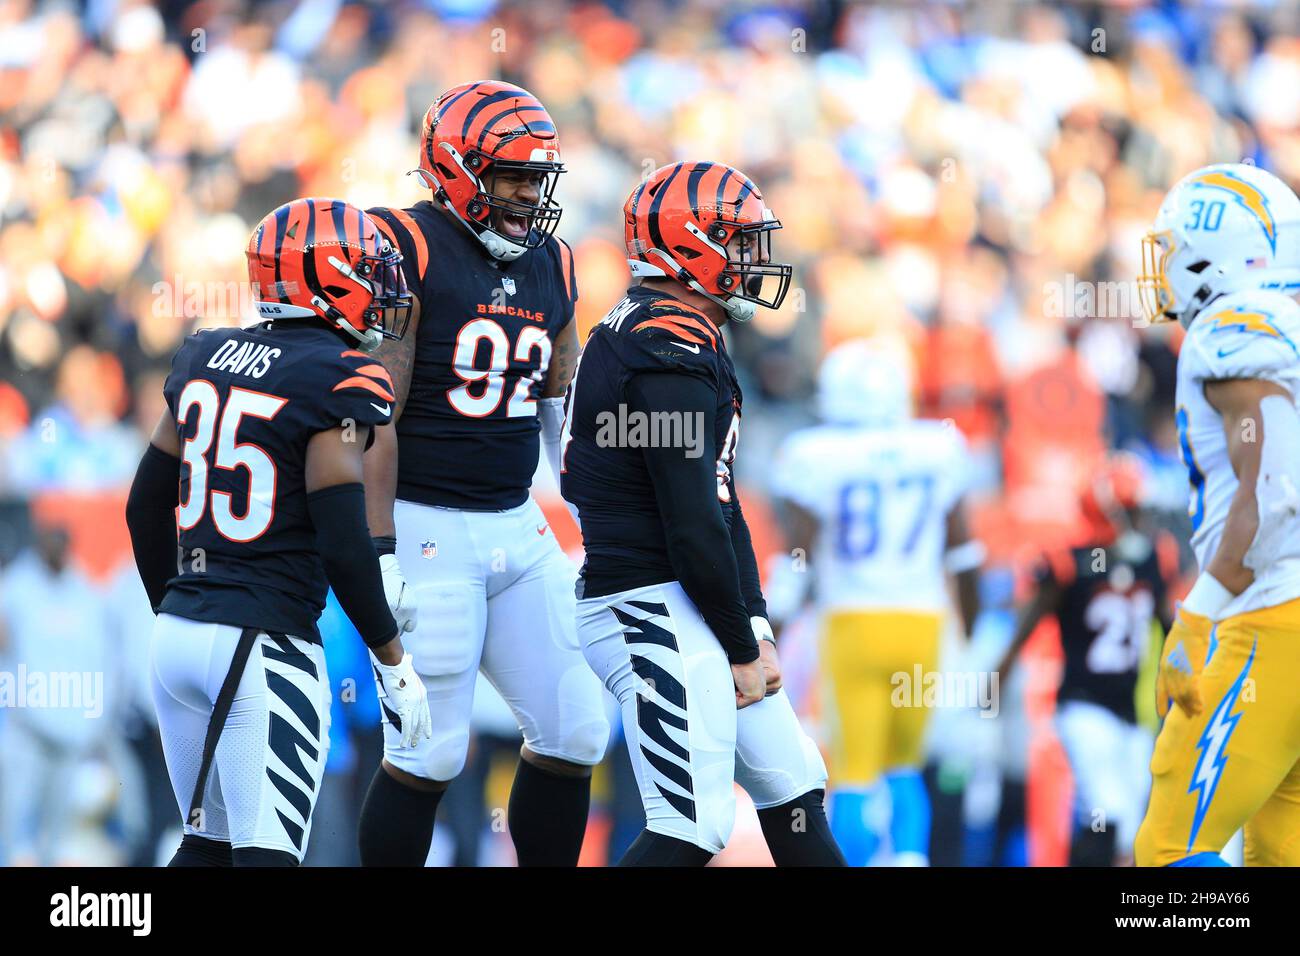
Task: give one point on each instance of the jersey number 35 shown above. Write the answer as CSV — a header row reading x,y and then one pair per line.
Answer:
x,y
200,402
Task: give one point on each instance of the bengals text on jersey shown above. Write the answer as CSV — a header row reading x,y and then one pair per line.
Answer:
x,y
469,429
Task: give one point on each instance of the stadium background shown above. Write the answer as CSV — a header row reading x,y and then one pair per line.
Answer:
x,y
968,181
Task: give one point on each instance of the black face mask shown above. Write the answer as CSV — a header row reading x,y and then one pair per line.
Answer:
x,y
754,276
389,312
540,219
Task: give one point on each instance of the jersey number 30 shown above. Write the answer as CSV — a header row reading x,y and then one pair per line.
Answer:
x,y
200,403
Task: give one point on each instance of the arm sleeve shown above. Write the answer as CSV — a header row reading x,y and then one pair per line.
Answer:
x,y
699,542
151,520
751,587
351,562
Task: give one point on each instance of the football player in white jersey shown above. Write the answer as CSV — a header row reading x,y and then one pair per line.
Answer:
x,y
1223,259
876,498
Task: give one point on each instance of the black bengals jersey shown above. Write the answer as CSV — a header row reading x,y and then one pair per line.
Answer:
x,y
468,433
606,478
1108,601
246,403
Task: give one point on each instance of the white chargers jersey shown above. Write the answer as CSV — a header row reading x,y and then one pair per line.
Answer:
x,y
1253,334
882,498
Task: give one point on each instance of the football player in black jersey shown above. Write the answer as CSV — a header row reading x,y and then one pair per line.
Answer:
x,y
671,613
261,447
1107,593
479,384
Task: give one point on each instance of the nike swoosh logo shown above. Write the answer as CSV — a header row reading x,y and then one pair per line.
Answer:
x,y
384,409
689,348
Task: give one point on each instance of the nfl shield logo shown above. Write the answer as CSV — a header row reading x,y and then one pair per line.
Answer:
x,y
429,550
508,284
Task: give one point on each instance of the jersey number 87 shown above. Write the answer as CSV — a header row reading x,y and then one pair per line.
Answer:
x,y
861,504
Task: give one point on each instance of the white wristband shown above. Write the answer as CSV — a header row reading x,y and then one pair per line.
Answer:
x,y
761,628
1208,597
551,413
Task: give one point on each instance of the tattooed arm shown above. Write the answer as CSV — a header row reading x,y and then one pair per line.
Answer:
x,y
564,358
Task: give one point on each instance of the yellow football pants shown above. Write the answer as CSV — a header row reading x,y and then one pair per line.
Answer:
x,y
1237,763
862,653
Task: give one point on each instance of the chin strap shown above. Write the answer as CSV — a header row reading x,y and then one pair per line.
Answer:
x,y
366,341
737,309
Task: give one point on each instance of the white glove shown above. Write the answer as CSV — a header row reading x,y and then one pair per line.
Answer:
x,y
406,697
400,599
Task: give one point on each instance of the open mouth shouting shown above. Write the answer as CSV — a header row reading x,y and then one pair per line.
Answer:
x,y
513,225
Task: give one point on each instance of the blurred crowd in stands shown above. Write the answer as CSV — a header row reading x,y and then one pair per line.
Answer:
x,y
970,180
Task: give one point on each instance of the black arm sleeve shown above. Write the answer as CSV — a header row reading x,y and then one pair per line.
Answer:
x,y
151,519
751,587
686,490
351,562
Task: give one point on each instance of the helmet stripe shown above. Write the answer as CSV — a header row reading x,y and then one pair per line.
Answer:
x,y
484,103
310,236
656,237
487,126
745,191
633,205
452,102
722,185
339,215
281,227
693,184
310,275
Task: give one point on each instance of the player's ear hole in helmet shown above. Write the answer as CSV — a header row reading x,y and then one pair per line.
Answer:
x,y
491,154
326,259
706,225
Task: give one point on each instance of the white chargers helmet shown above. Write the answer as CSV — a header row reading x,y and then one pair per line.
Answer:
x,y
1221,229
865,383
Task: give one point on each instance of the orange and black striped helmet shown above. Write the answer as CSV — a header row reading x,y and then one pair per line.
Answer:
x,y
325,258
472,134
681,223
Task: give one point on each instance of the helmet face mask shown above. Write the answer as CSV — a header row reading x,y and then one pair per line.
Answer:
x,y
1154,292
539,219
390,309
753,276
